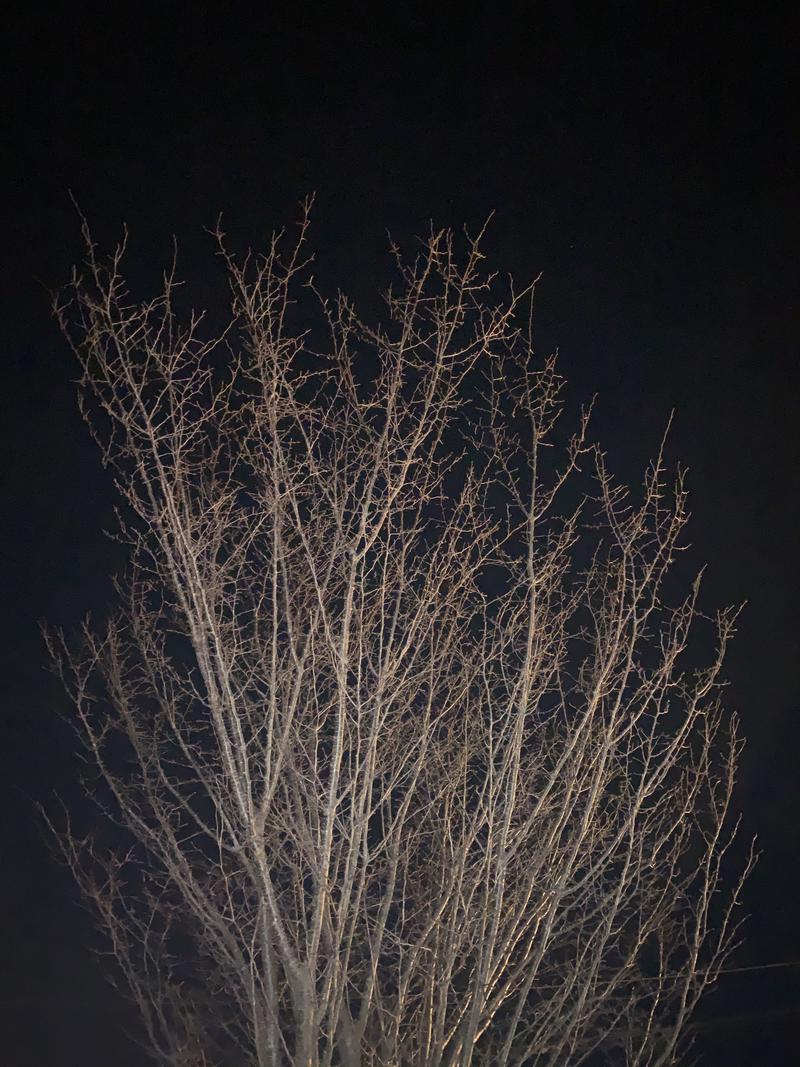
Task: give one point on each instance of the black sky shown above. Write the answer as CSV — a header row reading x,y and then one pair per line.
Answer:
x,y
646,161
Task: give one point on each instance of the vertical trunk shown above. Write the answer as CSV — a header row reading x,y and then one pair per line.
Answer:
x,y
348,1041
305,1048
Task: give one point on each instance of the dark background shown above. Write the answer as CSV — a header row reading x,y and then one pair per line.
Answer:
x,y
645,160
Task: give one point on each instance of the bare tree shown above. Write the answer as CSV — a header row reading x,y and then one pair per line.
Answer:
x,y
409,758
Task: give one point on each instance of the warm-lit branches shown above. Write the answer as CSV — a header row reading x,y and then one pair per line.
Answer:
x,y
395,716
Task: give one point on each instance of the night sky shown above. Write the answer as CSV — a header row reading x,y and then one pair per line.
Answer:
x,y
645,162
